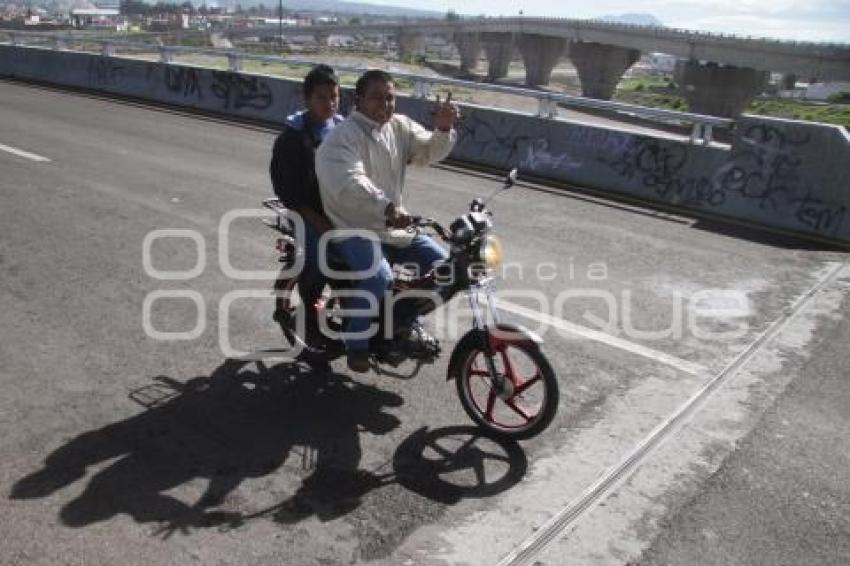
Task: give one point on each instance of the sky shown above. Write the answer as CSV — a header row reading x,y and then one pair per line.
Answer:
x,y
804,20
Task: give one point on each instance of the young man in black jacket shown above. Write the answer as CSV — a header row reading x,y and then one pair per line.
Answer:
x,y
294,180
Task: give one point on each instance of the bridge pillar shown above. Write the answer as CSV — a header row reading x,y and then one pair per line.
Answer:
x,y
499,48
410,44
469,48
718,91
540,54
600,67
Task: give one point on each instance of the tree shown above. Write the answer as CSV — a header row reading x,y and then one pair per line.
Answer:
x,y
452,16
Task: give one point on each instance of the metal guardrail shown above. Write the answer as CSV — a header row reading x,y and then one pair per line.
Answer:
x,y
548,102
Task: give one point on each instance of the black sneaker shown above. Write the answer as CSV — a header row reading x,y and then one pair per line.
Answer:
x,y
358,361
417,342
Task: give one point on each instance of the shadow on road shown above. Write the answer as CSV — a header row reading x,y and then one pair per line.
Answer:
x,y
247,420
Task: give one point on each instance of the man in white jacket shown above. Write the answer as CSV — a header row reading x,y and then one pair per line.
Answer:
x,y
361,168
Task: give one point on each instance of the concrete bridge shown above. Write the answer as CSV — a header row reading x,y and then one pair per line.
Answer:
x,y
718,74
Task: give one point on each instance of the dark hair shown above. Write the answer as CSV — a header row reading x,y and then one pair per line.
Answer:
x,y
319,75
369,76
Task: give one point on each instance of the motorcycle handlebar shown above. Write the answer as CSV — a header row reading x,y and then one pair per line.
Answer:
x,y
420,222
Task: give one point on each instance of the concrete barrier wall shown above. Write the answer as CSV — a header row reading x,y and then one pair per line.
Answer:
x,y
778,173
249,96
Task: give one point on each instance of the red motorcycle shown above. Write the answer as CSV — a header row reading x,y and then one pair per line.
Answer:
x,y
504,381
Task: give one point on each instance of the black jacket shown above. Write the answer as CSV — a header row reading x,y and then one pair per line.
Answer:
x,y
292,168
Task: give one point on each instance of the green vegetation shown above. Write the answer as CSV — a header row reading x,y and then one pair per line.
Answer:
x,y
265,48
640,97
827,113
840,98
412,59
191,40
660,93
646,84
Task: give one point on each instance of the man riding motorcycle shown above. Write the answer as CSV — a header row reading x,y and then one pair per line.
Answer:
x,y
294,179
361,168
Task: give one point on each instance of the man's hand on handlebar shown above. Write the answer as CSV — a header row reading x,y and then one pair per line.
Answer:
x,y
398,218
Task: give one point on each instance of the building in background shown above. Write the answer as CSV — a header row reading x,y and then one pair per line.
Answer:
x,y
98,18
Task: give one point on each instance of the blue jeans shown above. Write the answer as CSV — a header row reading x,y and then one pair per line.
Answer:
x,y
361,254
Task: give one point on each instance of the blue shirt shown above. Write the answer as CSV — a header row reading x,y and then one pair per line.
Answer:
x,y
318,130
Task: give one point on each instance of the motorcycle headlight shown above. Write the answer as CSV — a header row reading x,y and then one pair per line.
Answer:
x,y
492,253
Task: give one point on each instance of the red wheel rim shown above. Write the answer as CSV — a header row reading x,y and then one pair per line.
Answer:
x,y
521,409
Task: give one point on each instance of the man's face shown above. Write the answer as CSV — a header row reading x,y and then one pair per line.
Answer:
x,y
323,102
378,101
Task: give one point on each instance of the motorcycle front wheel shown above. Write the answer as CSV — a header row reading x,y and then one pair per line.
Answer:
x,y
528,402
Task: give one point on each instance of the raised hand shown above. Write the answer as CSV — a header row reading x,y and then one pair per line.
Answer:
x,y
446,114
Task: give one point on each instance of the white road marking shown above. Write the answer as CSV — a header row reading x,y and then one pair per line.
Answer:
x,y
24,154
591,334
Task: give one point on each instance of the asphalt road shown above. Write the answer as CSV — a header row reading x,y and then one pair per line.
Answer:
x,y
784,496
121,447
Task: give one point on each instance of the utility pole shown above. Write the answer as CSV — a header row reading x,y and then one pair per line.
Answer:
x,y
280,25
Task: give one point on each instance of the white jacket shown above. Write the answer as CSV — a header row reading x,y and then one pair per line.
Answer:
x,y
361,169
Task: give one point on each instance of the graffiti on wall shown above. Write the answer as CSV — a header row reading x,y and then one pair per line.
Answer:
x,y
104,72
183,81
764,171
658,167
609,142
817,215
507,141
538,157
237,91
766,168
493,138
